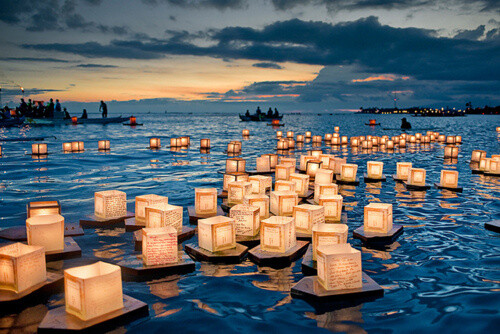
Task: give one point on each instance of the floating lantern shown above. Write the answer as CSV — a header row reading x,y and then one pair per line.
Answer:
x,y
290,134
245,133
21,267
366,144
441,138
451,151
484,164
300,138
66,147
339,267
263,164
235,165
74,120
413,139
277,234
315,153
39,149
205,143
133,120
333,207
291,143
477,155
383,141
374,169
354,142
449,178
323,176
246,219
301,183
234,147
325,189
328,234
303,161
103,145
93,290
498,128
328,137
309,134
316,139
338,162
361,138
275,122
279,134
273,159
283,172
205,201
260,184
373,122
282,144
161,215
237,190
335,141
336,129
217,233
175,142
159,246
416,177
402,143
288,161
335,135
390,144
312,166
375,141
325,158
231,177
186,141
403,170
378,218
281,185
282,202
261,201
306,216
348,172
432,137
110,204
34,209
141,202
154,143
77,146
494,166
450,140
426,139
344,140
418,136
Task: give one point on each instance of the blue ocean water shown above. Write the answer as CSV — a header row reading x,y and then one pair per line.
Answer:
x,y
442,274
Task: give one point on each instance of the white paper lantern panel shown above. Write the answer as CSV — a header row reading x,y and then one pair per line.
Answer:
x,y
110,204
141,202
282,202
162,215
205,201
378,218
333,207
237,190
259,200
306,216
246,219
325,189
260,183
46,231
301,183
21,267
217,233
159,246
339,267
328,234
277,234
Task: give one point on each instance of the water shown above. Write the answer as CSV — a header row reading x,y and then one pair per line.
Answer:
x,y
441,275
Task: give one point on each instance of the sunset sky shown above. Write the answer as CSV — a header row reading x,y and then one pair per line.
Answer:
x,y
298,54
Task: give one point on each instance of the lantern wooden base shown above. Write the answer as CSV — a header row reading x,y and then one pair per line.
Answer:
x,y
131,225
476,171
132,265
130,124
378,238
349,183
193,217
493,226
414,187
457,189
249,241
367,179
18,233
53,283
71,250
225,206
277,260
234,255
395,178
91,221
58,321
187,233
222,194
38,155
308,265
310,290
255,172
492,174
308,194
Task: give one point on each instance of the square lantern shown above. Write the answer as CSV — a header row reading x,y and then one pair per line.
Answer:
x,y
77,146
450,140
441,138
288,162
366,144
290,134
185,141
205,143
325,158
449,178
282,202
231,177
300,138
402,143
235,165
451,151
344,140
477,155
378,218
66,147
494,166
39,149
279,134
484,164
161,215
328,234
263,164
283,172
348,172
301,183
374,169
333,207
260,184
246,219
43,208
303,161
273,159
175,142
317,139
291,143
277,234
312,166
306,216
141,202
335,141
325,189
323,176
237,190
282,144
154,143
308,134
217,233
245,132
354,141
21,267
234,147
315,153
390,144
159,246
93,290
337,165
282,185
103,145
46,231
339,267
403,170
205,201
110,204
327,137
261,201
416,177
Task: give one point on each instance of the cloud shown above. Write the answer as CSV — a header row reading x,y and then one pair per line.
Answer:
x,y
268,65
216,4
96,66
48,60
473,34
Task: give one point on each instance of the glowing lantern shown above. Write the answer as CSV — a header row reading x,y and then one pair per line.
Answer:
x,y
354,142
432,138
309,134
344,140
328,137
416,177
154,143
245,133
263,164
77,146
383,141
175,142
260,184
335,141
288,162
315,153
162,215
441,138
348,172
316,139
246,219
325,189
282,202
451,151
21,267
339,267
301,183
402,143
426,139
361,138
498,128
103,145
477,155
93,290
291,143
66,147
141,202
450,140
375,169
110,204
303,161
484,164
205,201
234,147
290,134
205,143
283,172
275,122
133,120
413,139
34,209
74,120
323,176
375,141
279,134
337,166
403,170
235,165
336,129
378,218
449,178
217,233
366,144
328,234
306,216
333,207
186,141
282,185
277,234
159,246
231,177
273,159
312,167
373,122
390,144
237,190
418,136
300,138
325,158
39,149
335,135
282,144
494,166
261,201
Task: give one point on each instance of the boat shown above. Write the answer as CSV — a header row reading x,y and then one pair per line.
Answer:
x,y
10,122
259,118
59,121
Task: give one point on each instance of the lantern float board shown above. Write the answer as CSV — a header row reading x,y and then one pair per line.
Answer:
x,y
273,159
451,151
301,183
43,208
21,267
103,145
333,207
93,290
477,155
288,162
303,161
141,202
348,172
416,177
231,177
306,216
161,215
205,201
66,147
263,164
205,143
261,201
282,202
246,219
237,190
216,233
312,166
283,172
39,149
449,178
282,185
325,189
277,234
403,170
260,184
46,231
159,246
110,204
323,176
378,218
154,143
339,267
375,169
328,234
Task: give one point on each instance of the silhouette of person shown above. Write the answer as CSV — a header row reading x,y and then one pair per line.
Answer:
x,y
270,112
66,114
405,125
276,113
104,108
258,111
84,114
247,113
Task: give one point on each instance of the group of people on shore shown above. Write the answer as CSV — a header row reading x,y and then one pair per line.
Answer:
x,y
36,109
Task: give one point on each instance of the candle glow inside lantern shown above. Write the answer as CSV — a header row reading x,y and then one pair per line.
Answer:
x,y
43,208
328,137
402,143
301,183
282,202
234,147
205,143
162,215
39,149
133,120
416,177
333,207
291,143
375,141
339,267
315,153
328,234
441,138
306,216
325,189
217,233
403,170
335,141
354,141
273,159
77,146
185,141
231,177
175,142
93,290
159,246
283,172
451,151
300,138
277,234
282,185
390,144
282,144
312,166
323,176
237,190
205,201
235,165
336,129
450,140
263,164
66,147
141,202
261,201
103,145
344,140
154,143
477,155
348,172
260,184
309,134
378,218
288,161
21,267
303,161
110,204
279,134
449,178
375,169
245,133
316,139
290,134
246,219
46,231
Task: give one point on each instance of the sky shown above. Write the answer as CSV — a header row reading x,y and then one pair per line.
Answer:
x,y
222,55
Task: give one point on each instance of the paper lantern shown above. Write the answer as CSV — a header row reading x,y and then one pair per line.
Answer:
x,y
337,164
43,208
375,141
291,143
317,139
451,151
416,177
279,134
93,290
263,164
133,120
315,153
46,231
205,143
494,166
246,219
390,144
301,183
141,202
450,140
413,139
260,184
175,142
39,149
288,161
449,178
277,234
498,128
354,142
103,145
185,141
66,147
159,246
441,138
308,134
378,218
348,172
374,169
312,166
235,165
484,164
205,201
325,189
74,120
234,147
110,204
290,134
432,138
217,233
402,143
344,140
333,207
366,144
21,267
300,138
325,158
328,137
403,170
77,146
282,144
231,177
162,215
323,176
283,172
336,129
261,201
383,141
237,190
281,185
339,267
306,216
245,133
477,155
303,161
282,202
328,234
154,143
273,159
335,141
426,139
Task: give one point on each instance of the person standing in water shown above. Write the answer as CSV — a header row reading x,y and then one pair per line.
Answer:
x,y
104,108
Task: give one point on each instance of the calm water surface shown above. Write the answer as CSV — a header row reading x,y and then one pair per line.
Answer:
x,y
442,275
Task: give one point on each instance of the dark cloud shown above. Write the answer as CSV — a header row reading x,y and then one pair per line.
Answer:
x,y
96,66
473,34
268,65
217,4
49,60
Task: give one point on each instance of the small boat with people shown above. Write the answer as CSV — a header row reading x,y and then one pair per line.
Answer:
x,y
259,116
10,122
